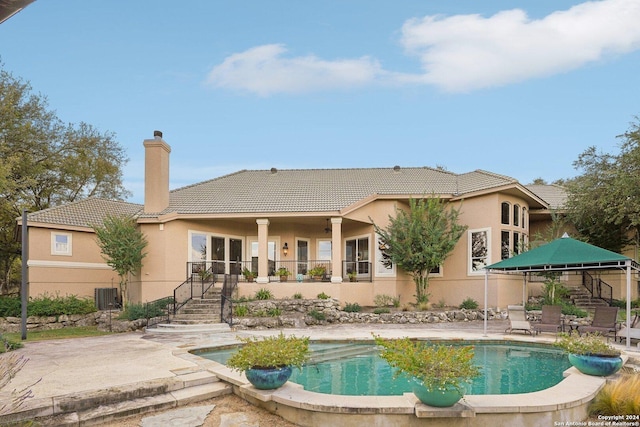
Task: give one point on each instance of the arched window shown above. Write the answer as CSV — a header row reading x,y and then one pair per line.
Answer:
x,y
516,215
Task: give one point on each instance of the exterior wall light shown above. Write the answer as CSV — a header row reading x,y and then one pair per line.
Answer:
x,y
285,249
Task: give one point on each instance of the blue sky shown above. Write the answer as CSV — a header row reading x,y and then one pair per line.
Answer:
x,y
517,88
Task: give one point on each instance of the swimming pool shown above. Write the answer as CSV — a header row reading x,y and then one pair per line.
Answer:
x,y
355,369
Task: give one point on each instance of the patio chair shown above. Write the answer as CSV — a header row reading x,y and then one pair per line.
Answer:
x,y
604,322
518,320
551,320
634,330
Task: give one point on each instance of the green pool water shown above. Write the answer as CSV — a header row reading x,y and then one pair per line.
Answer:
x,y
506,369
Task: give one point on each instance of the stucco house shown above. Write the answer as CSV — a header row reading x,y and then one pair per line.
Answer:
x,y
262,220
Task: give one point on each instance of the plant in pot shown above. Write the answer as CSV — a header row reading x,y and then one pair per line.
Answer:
x,y
438,372
590,353
353,276
283,273
268,362
250,275
317,272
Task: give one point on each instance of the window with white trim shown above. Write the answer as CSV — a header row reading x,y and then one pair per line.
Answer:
x,y
61,243
479,244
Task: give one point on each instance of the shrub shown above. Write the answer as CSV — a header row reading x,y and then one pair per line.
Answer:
x,y
621,397
10,307
570,309
47,305
318,315
380,310
396,301
240,310
297,295
274,312
8,345
263,294
440,304
70,304
322,295
469,304
382,300
270,352
352,308
133,312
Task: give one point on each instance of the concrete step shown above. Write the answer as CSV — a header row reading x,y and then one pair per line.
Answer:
x,y
184,328
101,407
103,414
340,351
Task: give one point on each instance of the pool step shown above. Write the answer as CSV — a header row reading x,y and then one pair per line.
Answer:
x,y
329,352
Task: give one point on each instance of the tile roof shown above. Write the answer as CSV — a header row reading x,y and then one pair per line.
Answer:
x,y
289,190
85,212
319,190
554,195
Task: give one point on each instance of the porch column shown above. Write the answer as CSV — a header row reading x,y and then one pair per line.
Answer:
x,y
263,250
336,250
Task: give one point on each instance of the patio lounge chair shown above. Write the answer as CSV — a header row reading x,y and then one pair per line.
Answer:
x,y
604,322
518,320
551,319
634,330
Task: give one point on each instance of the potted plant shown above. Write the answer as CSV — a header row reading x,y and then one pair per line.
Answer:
x,y
590,353
250,275
268,362
438,371
353,276
317,272
283,273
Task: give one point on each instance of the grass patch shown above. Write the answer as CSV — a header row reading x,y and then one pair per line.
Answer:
x,y
54,334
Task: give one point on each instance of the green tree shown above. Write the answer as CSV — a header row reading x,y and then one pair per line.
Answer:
x,y
44,163
604,202
420,239
122,245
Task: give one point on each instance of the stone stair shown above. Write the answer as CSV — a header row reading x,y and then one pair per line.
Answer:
x,y
104,407
199,311
582,299
328,352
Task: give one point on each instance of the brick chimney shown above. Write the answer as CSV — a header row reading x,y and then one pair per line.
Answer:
x,y
156,173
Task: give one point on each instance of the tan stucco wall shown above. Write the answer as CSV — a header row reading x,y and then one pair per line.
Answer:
x,y
78,274
168,252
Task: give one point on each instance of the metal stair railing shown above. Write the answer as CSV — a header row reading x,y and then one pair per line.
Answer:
x,y
158,311
226,298
598,288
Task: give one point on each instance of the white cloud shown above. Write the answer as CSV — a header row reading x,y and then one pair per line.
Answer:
x,y
264,70
467,52
458,53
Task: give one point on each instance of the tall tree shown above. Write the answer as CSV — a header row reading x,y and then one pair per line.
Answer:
x,y
419,240
122,245
604,202
44,162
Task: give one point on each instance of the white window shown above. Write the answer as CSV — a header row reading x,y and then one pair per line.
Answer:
x,y
479,244
324,250
61,243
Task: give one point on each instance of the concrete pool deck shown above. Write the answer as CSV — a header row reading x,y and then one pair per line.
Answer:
x,y
79,380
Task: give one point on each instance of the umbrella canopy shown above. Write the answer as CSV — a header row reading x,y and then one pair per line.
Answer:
x,y
564,253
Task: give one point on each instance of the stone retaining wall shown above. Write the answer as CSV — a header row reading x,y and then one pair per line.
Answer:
x,y
300,313
294,314
106,321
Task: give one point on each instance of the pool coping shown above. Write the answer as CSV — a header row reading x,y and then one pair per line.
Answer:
x,y
567,400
